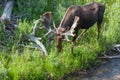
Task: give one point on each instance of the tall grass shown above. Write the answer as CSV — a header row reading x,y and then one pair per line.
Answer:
x,y
31,65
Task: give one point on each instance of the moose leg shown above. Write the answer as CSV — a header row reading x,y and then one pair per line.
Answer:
x,y
82,33
74,40
99,22
75,37
99,28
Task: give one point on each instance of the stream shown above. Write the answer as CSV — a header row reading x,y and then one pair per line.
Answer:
x,y
108,70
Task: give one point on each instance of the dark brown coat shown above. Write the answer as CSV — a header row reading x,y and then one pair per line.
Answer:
x,y
88,16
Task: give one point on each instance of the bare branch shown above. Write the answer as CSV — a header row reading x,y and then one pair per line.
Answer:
x,y
6,19
6,16
110,57
116,47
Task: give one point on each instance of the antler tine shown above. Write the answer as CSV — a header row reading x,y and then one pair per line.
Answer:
x,y
36,40
35,27
71,31
48,33
50,30
54,25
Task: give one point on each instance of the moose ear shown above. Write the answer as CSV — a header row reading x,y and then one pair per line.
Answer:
x,y
50,15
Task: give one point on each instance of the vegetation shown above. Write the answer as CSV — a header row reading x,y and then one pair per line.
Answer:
x,y
31,65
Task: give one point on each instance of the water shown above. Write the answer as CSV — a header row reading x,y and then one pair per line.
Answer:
x,y
108,70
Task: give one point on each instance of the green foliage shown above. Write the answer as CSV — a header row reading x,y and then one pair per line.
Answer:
x,y
30,9
26,66
3,70
31,65
114,23
25,27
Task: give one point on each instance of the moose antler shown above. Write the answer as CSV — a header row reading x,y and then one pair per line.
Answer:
x,y
51,30
46,20
72,29
35,39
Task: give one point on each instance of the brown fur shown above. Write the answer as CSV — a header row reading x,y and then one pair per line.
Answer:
x,y
88,16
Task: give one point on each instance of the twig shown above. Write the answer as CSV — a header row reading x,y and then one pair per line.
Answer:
x,y
110,57
116,47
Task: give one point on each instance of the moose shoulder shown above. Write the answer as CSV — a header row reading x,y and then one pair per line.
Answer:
x,y
88,16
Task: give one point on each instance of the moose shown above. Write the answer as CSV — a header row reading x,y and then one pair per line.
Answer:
x,y
88,15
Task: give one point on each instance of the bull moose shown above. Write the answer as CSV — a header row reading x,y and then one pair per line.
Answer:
x,y
88,15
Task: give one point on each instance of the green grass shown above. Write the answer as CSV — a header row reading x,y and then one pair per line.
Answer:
x,y
21,63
